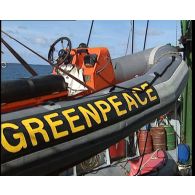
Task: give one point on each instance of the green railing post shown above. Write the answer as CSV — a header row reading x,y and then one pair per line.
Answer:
x,y
186,28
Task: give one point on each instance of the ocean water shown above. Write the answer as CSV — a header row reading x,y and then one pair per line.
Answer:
x,y
15,71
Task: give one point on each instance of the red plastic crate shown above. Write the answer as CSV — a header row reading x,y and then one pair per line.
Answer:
x,y
118,150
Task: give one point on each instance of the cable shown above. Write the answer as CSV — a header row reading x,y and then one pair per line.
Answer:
x,y
148,127
146,33
25,46
128,40
157,75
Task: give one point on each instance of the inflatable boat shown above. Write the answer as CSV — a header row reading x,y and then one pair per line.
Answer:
x,y
51,123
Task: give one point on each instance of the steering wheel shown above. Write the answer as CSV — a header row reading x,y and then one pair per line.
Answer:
x,y
63,54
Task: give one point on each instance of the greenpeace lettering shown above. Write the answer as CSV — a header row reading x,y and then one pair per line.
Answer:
x,y
54,124
116,105
17,136
32,131
94,114
26,135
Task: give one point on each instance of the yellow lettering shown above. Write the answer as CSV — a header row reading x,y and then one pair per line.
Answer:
x,y
136,89
34,130
18,136
142,102
144,85
116,105
94,114
130,101
149,91
54,124
105,110
72,119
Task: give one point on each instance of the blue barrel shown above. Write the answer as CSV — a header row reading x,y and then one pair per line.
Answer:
x,y
183,153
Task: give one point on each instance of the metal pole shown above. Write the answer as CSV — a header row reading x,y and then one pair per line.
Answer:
x,y
26,47
132,46
176,34
90,32
19,58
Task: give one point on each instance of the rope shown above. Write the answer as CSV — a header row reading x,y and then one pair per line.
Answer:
x,y
151,157
157,75
90,164
57,67
25,46
148,127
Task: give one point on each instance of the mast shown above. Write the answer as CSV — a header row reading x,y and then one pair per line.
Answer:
x,y
90,32
19,58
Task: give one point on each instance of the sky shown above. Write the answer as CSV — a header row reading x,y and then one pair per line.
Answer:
x,y
113,34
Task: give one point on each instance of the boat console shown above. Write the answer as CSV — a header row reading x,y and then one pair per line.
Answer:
x,y
95,63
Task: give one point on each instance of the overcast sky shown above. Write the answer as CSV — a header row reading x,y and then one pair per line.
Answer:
x,y
113,34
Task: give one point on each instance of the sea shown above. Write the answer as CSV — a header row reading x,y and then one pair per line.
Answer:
x,y
12,71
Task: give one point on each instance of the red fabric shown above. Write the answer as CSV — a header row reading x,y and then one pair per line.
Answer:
x,y
150,163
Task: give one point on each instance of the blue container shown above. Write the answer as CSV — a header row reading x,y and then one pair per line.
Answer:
x,y
183,153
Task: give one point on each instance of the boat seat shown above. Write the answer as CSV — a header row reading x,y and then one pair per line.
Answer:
x,y
25,88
